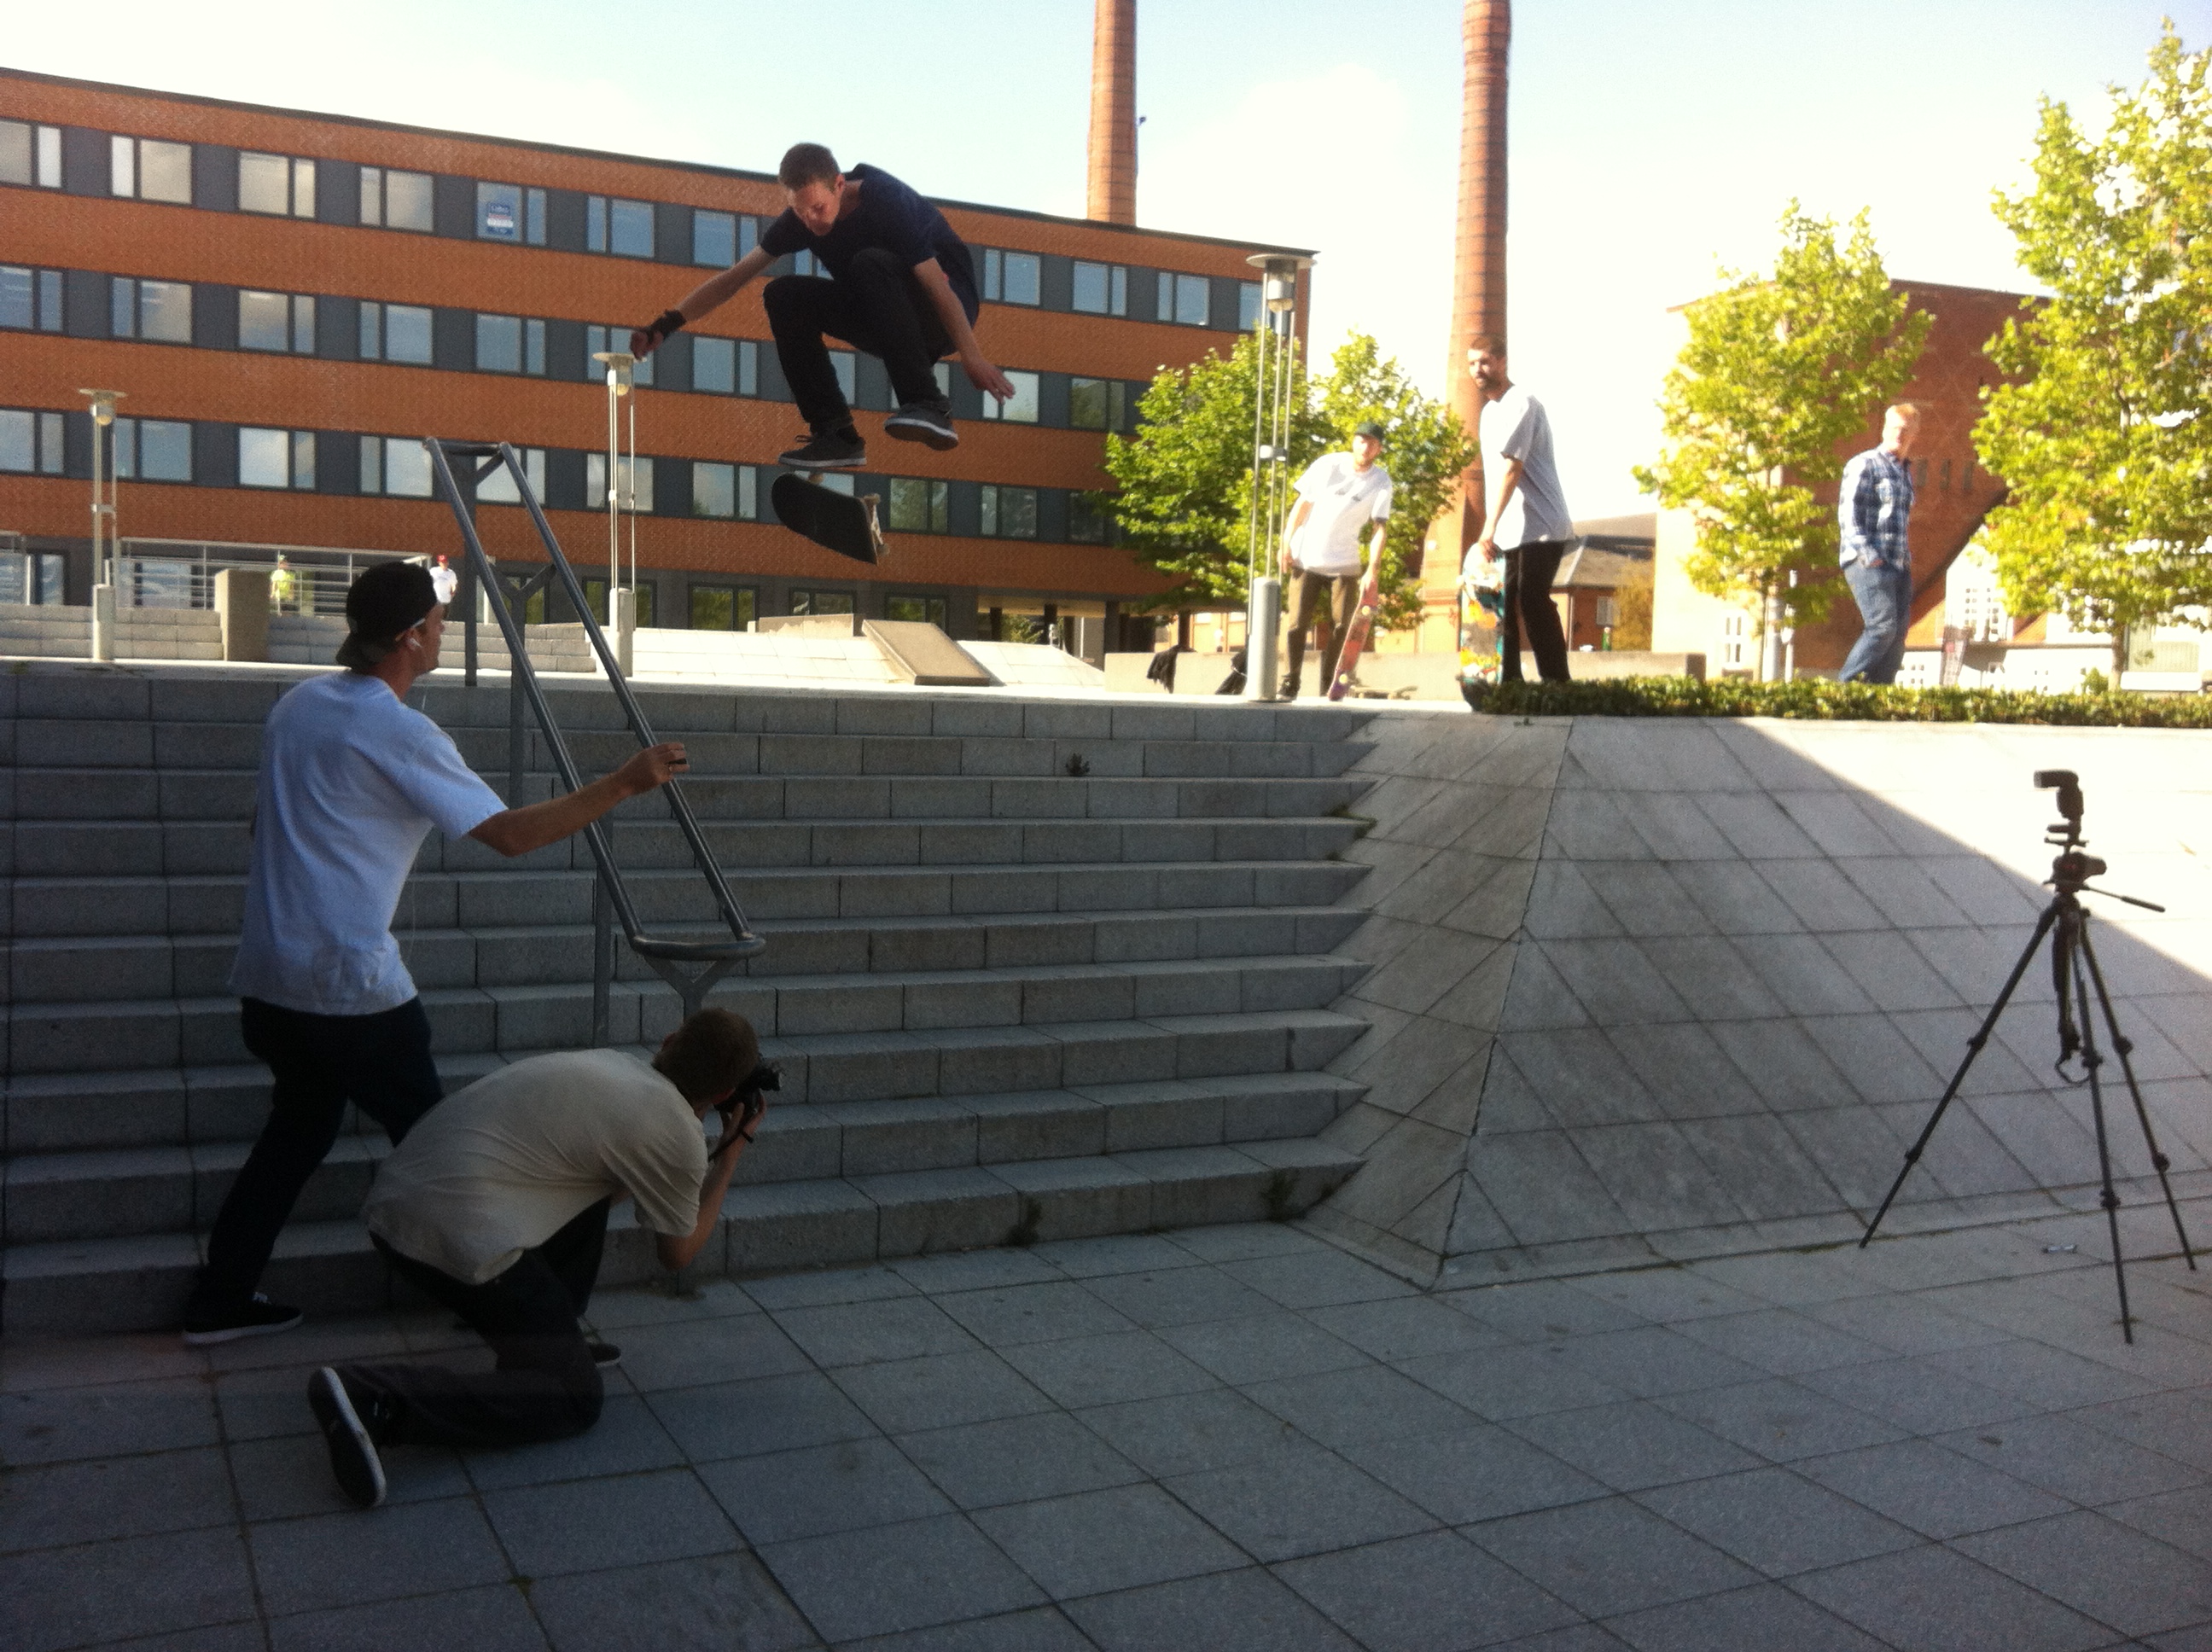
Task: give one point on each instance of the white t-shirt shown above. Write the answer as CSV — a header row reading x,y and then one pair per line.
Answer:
x,y
1344,499
519,1154
1515,427
351,782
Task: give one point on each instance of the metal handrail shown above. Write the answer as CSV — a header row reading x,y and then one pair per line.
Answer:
x,y
662,954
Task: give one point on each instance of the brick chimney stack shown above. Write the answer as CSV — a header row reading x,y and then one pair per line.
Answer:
x,y
1112,196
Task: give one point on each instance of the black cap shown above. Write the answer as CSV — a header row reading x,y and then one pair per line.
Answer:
x,y
1368,428
388,599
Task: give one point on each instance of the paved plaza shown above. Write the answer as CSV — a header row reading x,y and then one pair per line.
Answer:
x,y
1222,1438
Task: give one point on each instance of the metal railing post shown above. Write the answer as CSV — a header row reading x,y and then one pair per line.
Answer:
x,y
603,964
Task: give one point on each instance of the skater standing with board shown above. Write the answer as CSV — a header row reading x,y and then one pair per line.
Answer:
x,y
1339,494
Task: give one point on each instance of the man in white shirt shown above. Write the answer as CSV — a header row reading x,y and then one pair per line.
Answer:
x,y
1339,494
352,780
497,1206
1528,521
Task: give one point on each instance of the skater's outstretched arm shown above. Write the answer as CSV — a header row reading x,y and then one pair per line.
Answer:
x,y
705,299
973,362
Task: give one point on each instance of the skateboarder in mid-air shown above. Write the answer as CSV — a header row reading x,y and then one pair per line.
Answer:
x,y
904,290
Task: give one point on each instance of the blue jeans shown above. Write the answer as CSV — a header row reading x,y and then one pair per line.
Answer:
x,y
1884,595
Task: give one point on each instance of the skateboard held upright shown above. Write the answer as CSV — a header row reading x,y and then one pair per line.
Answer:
x,y
1355,633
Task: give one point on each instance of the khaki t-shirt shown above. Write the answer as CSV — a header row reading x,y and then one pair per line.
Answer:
x,y
516,1156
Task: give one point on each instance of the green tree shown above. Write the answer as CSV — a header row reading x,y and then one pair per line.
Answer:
x,y
2104,439
1781,370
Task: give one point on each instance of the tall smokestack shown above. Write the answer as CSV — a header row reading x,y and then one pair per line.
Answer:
x,y
1113,185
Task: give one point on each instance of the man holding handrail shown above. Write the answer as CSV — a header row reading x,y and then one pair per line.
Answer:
x,y
352,780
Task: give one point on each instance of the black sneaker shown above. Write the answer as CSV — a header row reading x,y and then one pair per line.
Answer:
x,y
206,1323
925,422
605,1355
354,1461
828,450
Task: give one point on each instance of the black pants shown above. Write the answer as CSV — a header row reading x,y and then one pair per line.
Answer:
x,y
878,305
1529,606
380,1062
545,1386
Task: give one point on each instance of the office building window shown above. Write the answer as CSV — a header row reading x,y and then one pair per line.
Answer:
x,y
1012,277
30,442
282,186
721,239
396,465
921,506
396,200
1248,305
1090,403
822,602
500,214
276,459
635,492
153,450
150,169
1086,524
599,341
927,611
618,225
723,608
725,492
499,344
30,155
1102,288
395,332
30,299
726,367
1010,513
157,310
498,488
1022,407
803,263
1185,299
277,321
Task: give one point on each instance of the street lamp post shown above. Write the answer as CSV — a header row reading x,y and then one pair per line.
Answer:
x,y
622,496
105,545
1271,455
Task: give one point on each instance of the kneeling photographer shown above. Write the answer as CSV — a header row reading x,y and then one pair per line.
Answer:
x,y
496,1206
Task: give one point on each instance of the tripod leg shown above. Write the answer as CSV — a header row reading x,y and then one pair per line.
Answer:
x,y
2124,1049
1973,1049
2092,1060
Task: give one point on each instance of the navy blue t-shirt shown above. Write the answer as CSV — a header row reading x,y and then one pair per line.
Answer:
x,y
890,215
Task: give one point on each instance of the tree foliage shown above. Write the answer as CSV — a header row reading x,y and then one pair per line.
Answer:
x,y
1780,371
2104,439
1183,482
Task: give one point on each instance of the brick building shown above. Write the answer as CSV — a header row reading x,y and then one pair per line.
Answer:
x,y
290,300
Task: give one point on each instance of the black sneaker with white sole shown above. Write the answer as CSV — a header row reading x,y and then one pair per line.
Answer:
x,y
206,1323
924,421
828,450
354,1462
606,1356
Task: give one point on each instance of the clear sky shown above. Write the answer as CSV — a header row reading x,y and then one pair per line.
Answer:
x,y
1649,142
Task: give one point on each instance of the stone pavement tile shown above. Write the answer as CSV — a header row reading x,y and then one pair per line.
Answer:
x,y
1782,1420
258,1404
1904,1325
626,1519
30,1362
1102,1369
994,1268
1478,1473
109,1591
782,1495
716,1600
289,1475
124,1497
53,1425
1404,1327
1323,1280
1915,1395
1611,1556
1937,1493
1091,1542
1766,1616
904,1396
317,1342
1667,1296
1039,1629
1931,1600
825,1287
348,1559
1247,1610
1583,1637
1017,1460
1112,1253
1632,1444
887,1578
859,1334
713,1350
1188,1295
1506,1382
1772,1519
771,1413
1262,1347
1779,1340
657,1304
2073,1460
1186,1433
1655,1360
2178,1426
2196,1639
2183,1519
1032,1313
1788,1279
1434,1593
2047,1378
626,1439
1368,1402
1542,1309
1295,1499
2156,1355
1242,1241
492,1618
2102,1569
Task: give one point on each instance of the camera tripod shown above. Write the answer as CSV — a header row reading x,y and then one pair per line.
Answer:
x,y
2074,971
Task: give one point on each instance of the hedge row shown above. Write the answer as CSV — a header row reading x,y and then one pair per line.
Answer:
x,y
1817,699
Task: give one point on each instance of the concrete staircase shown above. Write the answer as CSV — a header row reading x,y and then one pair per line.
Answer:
x,y
1036,969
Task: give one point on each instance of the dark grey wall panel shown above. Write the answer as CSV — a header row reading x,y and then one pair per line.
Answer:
x,y
672,363
564,352
214,177
564,220
214,316
967,400
671,487
337,462
1221,308
772,385
337,193
85,312
214,455
1056,287
77,445
966,508
564,479
1143,295
453,212
872,383
671,232
453,340
1052,400
338,329
1052,515
84,162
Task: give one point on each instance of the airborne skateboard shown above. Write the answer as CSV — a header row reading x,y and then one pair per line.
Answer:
x,y
836,522
1355,633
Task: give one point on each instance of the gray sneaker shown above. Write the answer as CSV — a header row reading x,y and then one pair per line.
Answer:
x,y
828,450
924,421
354,1461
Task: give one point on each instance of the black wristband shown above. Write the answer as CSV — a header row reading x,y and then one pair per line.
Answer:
x,y
667,322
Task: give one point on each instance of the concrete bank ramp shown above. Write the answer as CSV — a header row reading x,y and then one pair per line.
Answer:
x,y
1664,988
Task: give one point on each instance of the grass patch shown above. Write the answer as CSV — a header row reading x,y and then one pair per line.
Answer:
x,y
1818,700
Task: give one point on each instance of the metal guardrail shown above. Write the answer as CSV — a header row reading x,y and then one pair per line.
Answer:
x,y
611,902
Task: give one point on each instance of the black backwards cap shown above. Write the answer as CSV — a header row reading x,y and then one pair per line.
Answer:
x,y
1368,428
388,599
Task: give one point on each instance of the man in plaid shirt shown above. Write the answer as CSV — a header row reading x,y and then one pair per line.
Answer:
x,y
1874,506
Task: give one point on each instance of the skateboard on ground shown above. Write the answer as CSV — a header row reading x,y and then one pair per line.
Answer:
x,y
1355,633
835,521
